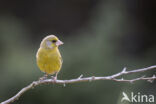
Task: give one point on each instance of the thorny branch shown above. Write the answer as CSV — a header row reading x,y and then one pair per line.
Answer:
x,y
113,77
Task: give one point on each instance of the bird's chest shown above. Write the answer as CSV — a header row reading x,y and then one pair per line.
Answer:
x,y
49,56
49,61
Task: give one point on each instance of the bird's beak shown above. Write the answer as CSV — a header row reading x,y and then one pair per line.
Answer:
x,y
59,43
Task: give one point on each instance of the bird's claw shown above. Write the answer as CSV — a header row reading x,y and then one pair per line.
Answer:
x,y
54,78
44,77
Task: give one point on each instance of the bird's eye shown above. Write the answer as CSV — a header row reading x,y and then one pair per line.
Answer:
x,y
54,41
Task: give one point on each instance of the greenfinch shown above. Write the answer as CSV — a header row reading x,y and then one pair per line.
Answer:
x,y
48,57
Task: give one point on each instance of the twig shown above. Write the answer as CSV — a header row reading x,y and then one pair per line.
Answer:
x,y
87,79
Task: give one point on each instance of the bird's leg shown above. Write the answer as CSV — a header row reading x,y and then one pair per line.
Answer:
x,y
55,77
44,77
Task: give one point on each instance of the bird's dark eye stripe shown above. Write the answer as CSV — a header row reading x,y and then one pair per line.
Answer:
x,y
53,41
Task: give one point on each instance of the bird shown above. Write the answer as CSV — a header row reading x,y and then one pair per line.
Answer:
x,y
48,56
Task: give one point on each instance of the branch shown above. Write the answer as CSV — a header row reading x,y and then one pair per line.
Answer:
x,y
113,77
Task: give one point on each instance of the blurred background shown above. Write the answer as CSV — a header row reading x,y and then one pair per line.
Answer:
x,y
101,37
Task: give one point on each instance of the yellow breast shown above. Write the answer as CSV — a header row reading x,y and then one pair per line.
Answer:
x,y
49,60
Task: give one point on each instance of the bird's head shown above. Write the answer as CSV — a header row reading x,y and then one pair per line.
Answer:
x,y
50,42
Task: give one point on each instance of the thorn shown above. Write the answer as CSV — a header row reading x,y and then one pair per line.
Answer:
x,y
33,84
124,70
150,80
64,84
80,76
